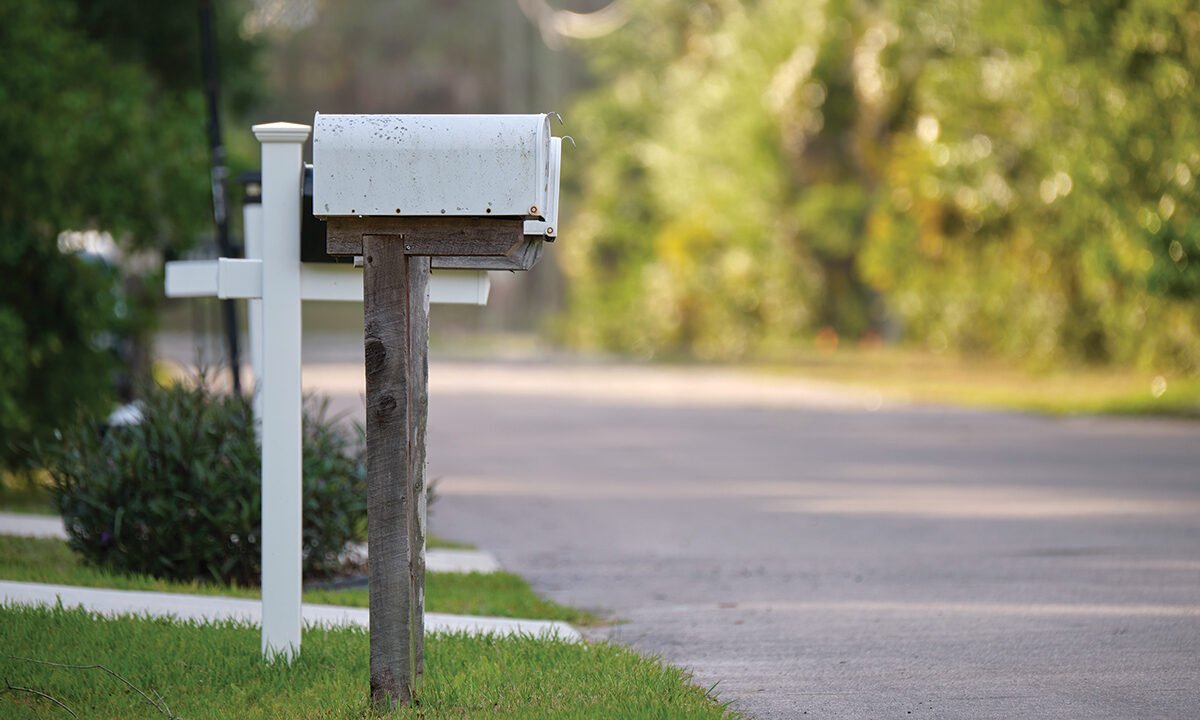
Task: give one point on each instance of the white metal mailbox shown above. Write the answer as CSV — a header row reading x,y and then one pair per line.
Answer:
x,y
432,165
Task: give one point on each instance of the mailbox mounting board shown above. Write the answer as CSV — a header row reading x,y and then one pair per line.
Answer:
x,y
431,165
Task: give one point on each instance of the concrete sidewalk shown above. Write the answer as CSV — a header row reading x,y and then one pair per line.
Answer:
x,y
113,603
436,560
42,526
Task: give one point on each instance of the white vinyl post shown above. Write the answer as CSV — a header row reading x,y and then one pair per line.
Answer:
x,y
282,175
252,228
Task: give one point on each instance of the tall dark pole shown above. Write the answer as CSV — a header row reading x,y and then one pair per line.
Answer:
x,y
208,53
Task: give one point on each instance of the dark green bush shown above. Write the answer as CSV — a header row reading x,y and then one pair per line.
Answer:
x,y
178,496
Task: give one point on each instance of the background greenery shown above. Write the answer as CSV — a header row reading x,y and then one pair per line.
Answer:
x,y
101,127
1015,179
1012,180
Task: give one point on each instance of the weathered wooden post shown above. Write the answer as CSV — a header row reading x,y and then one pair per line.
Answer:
x,y
407,193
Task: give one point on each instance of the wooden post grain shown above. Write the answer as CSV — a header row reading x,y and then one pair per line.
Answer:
x,y
418,394
392,511
396,274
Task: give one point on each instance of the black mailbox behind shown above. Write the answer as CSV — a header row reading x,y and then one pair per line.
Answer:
x,y
312,230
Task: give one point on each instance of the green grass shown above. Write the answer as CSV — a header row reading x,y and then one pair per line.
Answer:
x,y
926,377
501,594
215,671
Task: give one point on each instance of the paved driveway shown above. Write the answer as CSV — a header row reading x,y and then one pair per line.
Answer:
x,y
822,554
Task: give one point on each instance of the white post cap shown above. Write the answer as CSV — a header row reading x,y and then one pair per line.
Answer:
x,y
282,132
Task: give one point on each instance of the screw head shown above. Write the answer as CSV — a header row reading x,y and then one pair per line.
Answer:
x,y
533,210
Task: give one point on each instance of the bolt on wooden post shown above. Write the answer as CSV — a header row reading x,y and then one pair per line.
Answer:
x,y
409,193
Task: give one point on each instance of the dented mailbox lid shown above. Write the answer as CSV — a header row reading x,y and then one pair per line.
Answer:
x,y
431,165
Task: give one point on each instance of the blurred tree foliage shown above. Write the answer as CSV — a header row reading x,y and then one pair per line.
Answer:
x,y
101,127
1013,178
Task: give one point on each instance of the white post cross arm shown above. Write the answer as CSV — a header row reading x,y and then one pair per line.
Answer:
x,y
236,279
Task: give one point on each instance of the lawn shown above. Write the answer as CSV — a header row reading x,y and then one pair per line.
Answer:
x,y
215,671
928,377
500,594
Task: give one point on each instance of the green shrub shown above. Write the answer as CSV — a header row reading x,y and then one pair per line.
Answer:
x,y
178,496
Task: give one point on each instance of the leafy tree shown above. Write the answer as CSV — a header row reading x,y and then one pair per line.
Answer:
x,y
90,138
1047,210
735,143
164,40
1013,178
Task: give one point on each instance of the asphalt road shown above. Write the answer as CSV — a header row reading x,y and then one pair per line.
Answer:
x,y
819,554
